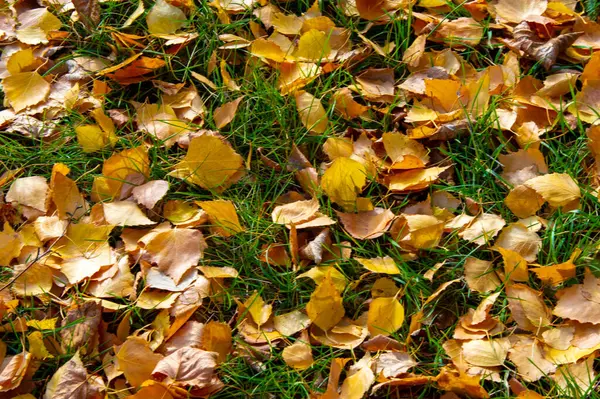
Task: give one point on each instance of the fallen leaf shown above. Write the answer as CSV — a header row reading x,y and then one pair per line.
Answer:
x,y
325,307
164,18
343,181
223,217
386,316
312,114
209,163
379,265
25,89
136,360
150,193
224,114
175,251
367,225
559,189
125,213
527,308
72,380
480,275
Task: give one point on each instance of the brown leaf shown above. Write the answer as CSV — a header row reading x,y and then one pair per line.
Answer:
x,y
367,225
224,114
175,251
528,308
546,52
72,380
80,327
89,12
187,367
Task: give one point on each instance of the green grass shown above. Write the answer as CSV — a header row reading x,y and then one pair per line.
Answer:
x,y
270,121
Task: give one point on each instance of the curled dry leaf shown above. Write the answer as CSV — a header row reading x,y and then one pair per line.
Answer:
x,y
546,52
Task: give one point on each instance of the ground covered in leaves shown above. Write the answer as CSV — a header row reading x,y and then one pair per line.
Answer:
x,y
291,199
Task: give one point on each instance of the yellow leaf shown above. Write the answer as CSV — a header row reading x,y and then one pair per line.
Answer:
x,y
312,113
35,25
25,89
91,138
267,49
558,189
480,275
222,217
259,311
517,10
136,360
46,324
164,19
210,163
72,380
216,337
35,279
175,251
313,46
318,274
556,274
66,197
346,106
36,346
343,181
386,315
359,380
325,307
380,265
527,307
523,201
126,166
404,153
298,355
